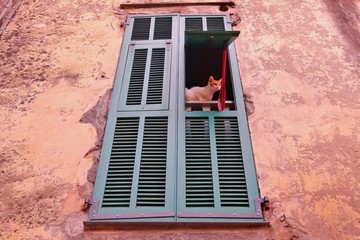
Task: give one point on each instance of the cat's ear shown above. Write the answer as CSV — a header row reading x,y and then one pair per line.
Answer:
x,y
211,78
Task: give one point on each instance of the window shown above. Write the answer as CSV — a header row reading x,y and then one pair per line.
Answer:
x,y
204,57
160,162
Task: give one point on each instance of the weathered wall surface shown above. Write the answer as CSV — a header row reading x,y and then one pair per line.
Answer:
x,y
300,63
7,10
2,4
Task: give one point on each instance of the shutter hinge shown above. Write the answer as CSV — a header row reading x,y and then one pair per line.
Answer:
x,y
127,20
132,46
265,204
86,204
168,45
227,18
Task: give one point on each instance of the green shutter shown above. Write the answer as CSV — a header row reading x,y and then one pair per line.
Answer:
x,y
232,181
216,172
135,179
215,24
152,28
199,191
146,167
139,182
152,176
159,162
193,24
119,179
141,29
205,23
163,28
146,80
212,171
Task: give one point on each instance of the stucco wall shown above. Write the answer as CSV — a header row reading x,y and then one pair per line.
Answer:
x,y
7,9
2,4
300,68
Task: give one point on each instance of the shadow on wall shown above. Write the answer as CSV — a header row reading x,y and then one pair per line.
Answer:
x,y
347,16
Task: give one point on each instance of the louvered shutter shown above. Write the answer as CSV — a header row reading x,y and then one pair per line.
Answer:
x,y
138,183
158,161
135,179
217,179
204,23
146,80
216,170
213,163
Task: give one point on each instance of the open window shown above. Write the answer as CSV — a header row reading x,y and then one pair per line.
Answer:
x,y
204,57
159,162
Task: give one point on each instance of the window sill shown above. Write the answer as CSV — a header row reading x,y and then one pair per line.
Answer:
x,y
114,225
207,105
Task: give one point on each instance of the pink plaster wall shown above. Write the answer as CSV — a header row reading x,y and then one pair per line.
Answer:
x,y
300,68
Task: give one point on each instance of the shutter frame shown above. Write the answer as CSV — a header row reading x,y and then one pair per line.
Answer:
x,y
133,210
166,210
141,94
252,212
175,208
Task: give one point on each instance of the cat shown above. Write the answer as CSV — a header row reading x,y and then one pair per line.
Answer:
x,y
203,93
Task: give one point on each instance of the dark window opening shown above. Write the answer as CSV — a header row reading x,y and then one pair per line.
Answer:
x,y
200,64
204,58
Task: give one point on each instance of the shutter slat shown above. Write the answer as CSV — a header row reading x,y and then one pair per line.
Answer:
x,y
156,77
199,166
137,76
163,28
153,163
192,24
122,158
215,23
198,163
140,172
141,29
230,163
147,78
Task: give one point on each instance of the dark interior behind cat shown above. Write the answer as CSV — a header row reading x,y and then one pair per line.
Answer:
x,y
200,63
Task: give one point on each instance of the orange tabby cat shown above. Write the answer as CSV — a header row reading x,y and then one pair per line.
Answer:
x,y
203,93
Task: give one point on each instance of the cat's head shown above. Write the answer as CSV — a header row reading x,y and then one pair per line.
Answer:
x,y
214,84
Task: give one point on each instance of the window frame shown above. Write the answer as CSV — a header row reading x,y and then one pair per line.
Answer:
x,y
177,111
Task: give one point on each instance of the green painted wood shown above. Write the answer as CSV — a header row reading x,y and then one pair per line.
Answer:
x,y
214,167
159,162
135,178
228,148
204,23
215,23
152,28
214,163
210,39
146,79
140,167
